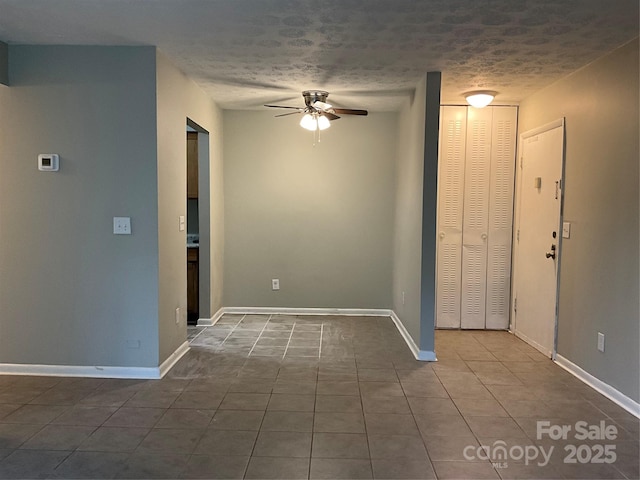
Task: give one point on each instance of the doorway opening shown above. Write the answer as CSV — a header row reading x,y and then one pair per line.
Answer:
x,y
198,224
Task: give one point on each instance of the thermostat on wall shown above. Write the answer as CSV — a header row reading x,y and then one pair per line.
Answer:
x,y
48,162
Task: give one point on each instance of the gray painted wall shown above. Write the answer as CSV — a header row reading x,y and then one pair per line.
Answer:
x,y
319,218
599,270
71,292
407,230
178,99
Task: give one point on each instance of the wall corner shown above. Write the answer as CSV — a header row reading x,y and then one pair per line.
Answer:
x,y
4,64
429,212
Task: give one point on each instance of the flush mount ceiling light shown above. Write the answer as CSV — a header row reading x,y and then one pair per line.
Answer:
x,y
480,98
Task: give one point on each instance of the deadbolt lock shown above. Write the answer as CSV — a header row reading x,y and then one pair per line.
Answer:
x,y
552,253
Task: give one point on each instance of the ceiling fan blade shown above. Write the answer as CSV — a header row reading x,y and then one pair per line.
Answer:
x,y
285,114
329,115
349,111
282,106
322,105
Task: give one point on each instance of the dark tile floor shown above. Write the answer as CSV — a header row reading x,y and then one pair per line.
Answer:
x,y
317,397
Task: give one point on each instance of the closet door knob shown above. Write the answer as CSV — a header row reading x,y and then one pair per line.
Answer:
x,y
483,236
441,235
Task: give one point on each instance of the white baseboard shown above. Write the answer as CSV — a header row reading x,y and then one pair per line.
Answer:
x,y
422,355
371,312
545,351
217,316
79,371
143,373
605,389
173,359
427,356
367,312
208,322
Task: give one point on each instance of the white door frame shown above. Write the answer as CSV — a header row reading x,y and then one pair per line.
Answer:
x,y
517,209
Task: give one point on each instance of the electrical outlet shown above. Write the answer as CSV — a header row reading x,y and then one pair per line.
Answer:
x,y
122,225
177,315
600,342
275,284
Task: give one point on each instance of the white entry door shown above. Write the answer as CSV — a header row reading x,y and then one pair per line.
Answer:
x,y
538,236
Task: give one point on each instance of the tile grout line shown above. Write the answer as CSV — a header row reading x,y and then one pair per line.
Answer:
x,y
264,415
199,333
259,335
63,461
315,400
439,377
364,420
464,419
232,330
286,348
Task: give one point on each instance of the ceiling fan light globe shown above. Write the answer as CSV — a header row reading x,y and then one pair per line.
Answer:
x,y
308,122
323,122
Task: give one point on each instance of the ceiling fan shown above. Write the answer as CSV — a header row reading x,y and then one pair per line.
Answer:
x,y
317,112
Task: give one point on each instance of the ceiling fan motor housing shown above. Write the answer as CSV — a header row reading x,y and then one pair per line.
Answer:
x,y
312,96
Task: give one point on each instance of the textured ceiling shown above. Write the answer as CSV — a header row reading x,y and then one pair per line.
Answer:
x,y
367,53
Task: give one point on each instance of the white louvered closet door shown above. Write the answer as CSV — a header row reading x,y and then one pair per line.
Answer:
x,y
475,210
453,124
503,146
476,218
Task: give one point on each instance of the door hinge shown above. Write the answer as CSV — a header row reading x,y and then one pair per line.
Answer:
x,y
518,235
515,305
520,162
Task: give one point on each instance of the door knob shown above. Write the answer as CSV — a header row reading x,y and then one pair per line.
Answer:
x,y
552,253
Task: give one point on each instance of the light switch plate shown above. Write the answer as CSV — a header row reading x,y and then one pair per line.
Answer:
x,y
566,229
122,225
181,223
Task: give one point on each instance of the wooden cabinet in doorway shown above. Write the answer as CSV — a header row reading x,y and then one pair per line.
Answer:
x,y
192,164
193,297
